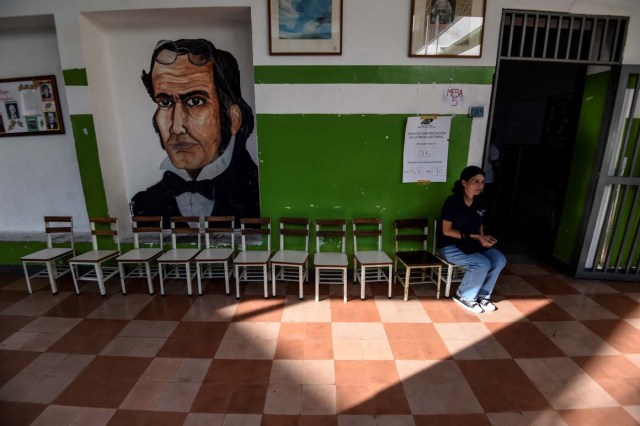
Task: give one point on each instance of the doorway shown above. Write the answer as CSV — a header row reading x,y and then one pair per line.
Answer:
x,y
535,119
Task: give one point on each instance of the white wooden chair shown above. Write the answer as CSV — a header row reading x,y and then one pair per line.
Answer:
x,y
216,261
287,264
413,262
375,265
253,265
176,263
452,273
100,227
56,228
331,267
150,229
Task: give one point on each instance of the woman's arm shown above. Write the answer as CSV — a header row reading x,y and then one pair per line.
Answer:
x,y
485,241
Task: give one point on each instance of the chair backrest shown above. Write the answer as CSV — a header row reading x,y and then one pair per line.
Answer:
x,y
187,230
103,226
59,227
367,231
291,227
148,227
416,230
219,229
331,229
255,226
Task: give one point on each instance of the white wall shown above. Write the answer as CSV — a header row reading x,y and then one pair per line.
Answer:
x,y
39,174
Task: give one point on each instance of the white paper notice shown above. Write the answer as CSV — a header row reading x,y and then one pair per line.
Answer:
x,y
426,149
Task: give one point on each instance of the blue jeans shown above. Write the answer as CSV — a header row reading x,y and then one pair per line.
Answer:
x,y
482,270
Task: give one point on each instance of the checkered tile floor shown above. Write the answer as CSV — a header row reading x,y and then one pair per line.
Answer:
x,y
558,351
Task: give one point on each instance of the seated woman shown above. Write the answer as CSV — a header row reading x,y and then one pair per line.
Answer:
x,y
462,241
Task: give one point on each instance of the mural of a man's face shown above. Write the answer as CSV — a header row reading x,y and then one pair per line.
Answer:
x,y
188,114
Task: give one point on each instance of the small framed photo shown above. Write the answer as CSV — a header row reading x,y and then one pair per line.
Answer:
x,y
446,28
45,92
51,120
32,123
13,113
305,27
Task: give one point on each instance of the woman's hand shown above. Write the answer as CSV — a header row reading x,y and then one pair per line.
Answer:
x,y
486,241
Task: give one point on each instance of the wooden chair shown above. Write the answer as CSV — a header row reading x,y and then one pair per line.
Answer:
x,y
180,259
452,273
374,264
291,265
150,229
415,266
97,257
55,227
215,261
253,265
331,267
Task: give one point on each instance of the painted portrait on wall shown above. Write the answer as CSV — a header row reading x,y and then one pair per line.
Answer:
x,y
203,124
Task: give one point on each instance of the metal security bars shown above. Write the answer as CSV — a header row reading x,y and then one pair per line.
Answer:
x,y
612,244
560,37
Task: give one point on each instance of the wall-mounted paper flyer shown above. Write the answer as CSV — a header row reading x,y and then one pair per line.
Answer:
x,y
426,149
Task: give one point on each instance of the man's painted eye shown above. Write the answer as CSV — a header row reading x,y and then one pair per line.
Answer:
x,y
165,103
195,101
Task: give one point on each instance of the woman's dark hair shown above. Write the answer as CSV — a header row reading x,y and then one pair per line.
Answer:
x,y
467,173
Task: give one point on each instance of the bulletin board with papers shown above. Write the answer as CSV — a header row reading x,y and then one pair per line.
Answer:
x,y
30,106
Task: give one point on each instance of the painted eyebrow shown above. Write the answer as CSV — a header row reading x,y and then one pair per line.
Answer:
x,y
184,96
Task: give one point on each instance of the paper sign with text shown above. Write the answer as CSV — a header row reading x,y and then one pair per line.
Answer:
x,y
426,149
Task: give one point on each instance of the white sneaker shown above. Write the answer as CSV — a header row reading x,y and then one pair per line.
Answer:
x,y
469,305
487,305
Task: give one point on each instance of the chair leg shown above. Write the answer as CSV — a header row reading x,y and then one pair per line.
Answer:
x,y
265,275
438,286
344,284
160,274
121,269
225,265
52,279
447,289
237,282
73,275
199,273
98,269
26,276
363,279
149,278
406,283
273,280
317,285
389,278
188,271
300,280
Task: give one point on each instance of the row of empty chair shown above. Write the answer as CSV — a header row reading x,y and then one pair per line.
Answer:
x,y
218,256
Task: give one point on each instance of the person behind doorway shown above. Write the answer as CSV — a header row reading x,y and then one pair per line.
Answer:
x,y
462,241
203,124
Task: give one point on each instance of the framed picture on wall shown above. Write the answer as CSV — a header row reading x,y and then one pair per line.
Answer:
x,y
446,28
30,106
305,27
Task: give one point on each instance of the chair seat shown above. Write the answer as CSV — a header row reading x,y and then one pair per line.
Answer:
x,y
338,260
249,257
290,257
367,258
214,254
178,255
140,255
418,258
47,255
94,256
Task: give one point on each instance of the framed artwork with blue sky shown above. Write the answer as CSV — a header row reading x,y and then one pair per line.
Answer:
x,y
305,27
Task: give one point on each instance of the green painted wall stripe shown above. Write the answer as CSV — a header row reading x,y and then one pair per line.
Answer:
x,y
89,164
75,77
311,74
